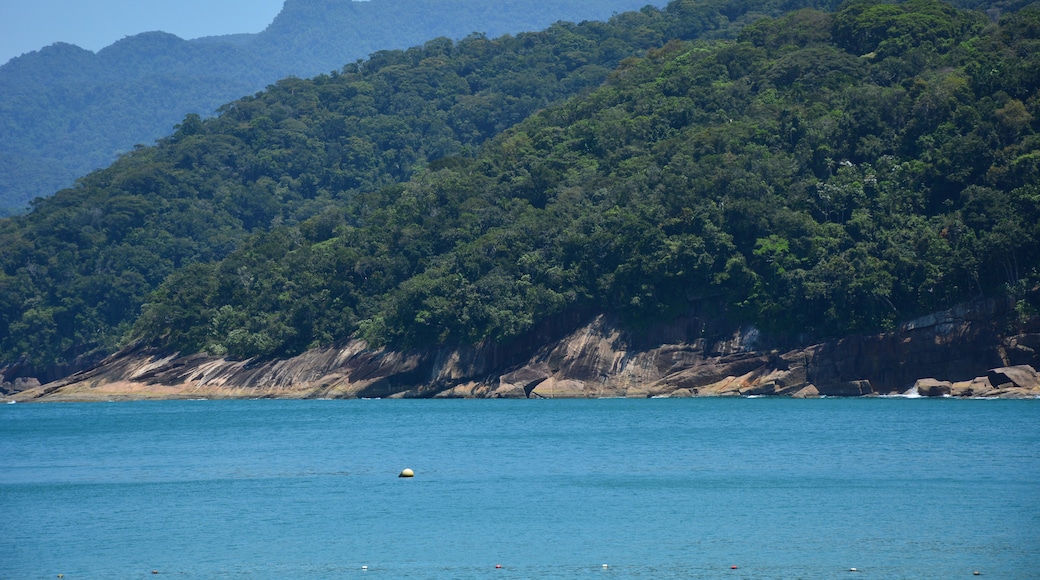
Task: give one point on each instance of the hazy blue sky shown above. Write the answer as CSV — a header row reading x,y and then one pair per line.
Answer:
x,y
27,25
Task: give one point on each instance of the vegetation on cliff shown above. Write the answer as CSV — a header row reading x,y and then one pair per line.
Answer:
x,y
823,173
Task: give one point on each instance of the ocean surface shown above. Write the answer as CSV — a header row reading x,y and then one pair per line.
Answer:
x,y
661,488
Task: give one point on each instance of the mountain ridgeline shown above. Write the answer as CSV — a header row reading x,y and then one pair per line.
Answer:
x,y
65,111
821,174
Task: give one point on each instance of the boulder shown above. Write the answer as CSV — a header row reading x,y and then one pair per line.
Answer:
x,y
977,387
1022,376
18,385
933,388
806,392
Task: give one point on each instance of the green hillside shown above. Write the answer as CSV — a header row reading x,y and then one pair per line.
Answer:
x,y
77,268
65,111
822,174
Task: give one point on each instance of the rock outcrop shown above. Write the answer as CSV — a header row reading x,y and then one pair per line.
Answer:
x,y
959,352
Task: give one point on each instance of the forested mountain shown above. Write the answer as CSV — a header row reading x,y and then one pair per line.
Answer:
x,y
65,111
194,197
821,174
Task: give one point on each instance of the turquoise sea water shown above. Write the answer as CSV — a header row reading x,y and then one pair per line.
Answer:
x,y
657,489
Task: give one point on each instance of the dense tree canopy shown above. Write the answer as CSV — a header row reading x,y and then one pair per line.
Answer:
x,y
821,174
65,111
280,156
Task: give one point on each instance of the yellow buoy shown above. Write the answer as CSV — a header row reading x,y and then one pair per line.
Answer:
x,y
407,473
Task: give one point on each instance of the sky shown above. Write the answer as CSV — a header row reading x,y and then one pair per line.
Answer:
x,y
28,25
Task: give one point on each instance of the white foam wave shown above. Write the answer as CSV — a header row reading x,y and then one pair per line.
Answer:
x,y
910,393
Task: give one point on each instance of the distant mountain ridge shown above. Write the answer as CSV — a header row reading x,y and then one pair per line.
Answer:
x,y
65,111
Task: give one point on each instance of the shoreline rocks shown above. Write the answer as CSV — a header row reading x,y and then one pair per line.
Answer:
x,y
956,353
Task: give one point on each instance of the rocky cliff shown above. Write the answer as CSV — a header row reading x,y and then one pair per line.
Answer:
x,y
965,351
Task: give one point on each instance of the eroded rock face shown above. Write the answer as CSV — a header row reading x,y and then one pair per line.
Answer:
x,y
959,352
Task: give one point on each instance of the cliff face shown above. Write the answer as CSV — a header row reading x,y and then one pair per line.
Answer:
x,y
960,352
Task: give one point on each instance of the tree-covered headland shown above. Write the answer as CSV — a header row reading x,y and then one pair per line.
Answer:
x,y
820,174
